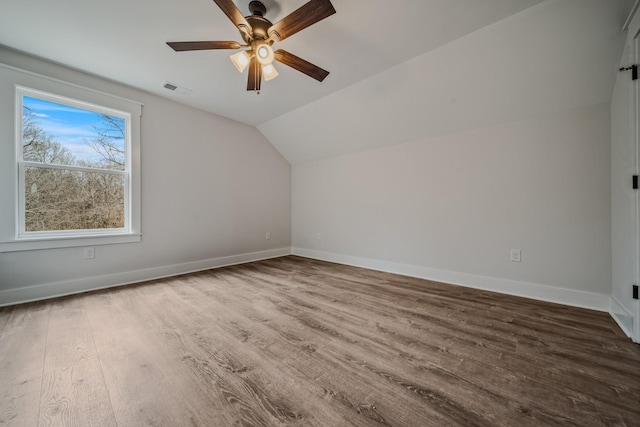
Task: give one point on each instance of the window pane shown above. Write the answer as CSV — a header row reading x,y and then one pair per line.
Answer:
x,y
64,135
70,200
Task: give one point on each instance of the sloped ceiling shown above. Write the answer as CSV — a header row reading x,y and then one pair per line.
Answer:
x,y
400,70
558,55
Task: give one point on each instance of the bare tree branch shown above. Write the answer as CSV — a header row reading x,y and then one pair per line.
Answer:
x,y
109,143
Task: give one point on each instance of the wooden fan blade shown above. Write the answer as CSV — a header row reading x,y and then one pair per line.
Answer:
x,y
182,46
255,74
233,13
298,20
300,64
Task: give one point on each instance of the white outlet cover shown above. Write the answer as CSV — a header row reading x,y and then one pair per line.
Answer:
x,y
89,253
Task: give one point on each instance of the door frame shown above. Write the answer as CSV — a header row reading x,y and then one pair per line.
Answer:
x,y
636,143
632,26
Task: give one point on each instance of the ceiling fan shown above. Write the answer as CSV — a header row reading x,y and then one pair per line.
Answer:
x,y
259,34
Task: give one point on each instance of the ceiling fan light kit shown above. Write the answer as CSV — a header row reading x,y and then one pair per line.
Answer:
x,y
240,60
259,34
269,72
264,53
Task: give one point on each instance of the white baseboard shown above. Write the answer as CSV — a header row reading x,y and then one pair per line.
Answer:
x,y
590,300
69,287
570,297
622,316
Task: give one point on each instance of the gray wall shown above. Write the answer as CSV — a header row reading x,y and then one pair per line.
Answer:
x,y
458,204
211,189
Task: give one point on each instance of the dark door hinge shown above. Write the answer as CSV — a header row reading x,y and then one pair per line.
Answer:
x,y
635,182
634,71
635,291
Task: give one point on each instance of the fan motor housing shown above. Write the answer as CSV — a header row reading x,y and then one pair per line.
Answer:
x,y
259,26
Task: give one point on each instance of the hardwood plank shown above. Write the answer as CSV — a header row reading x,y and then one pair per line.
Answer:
x,y
22,350
73,388
334,333
5,315
384,351
229,369
298,342
139,391
633,372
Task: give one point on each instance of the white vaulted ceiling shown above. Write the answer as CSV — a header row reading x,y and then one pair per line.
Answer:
x,y
400,70
558,55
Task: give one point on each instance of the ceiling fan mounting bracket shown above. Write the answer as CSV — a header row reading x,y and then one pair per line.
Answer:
x,y
257,8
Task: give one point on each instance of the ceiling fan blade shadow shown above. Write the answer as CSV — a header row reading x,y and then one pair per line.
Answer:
x,y
300,64
233,13
301,18
255,74
203,45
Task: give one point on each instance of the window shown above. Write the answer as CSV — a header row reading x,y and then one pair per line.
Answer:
x,y
76,172
73,170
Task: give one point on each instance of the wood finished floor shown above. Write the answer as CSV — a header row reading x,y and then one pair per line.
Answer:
x,y
297,342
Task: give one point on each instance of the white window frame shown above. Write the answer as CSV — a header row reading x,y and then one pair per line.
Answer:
x,y
13,236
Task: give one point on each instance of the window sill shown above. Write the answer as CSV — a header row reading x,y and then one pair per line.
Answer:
x,y
38,243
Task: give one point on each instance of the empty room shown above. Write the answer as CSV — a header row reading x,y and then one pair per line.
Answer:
x,y
319,213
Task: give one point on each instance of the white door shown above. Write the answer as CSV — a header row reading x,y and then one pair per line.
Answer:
x,y
625,201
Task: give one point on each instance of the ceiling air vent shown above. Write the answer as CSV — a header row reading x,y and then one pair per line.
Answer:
x,y
177,89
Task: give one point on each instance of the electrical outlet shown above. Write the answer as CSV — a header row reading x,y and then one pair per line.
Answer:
x,y
89,253
516,255
267,236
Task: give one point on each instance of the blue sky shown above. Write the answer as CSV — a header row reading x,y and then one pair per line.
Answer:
x,y
69,126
